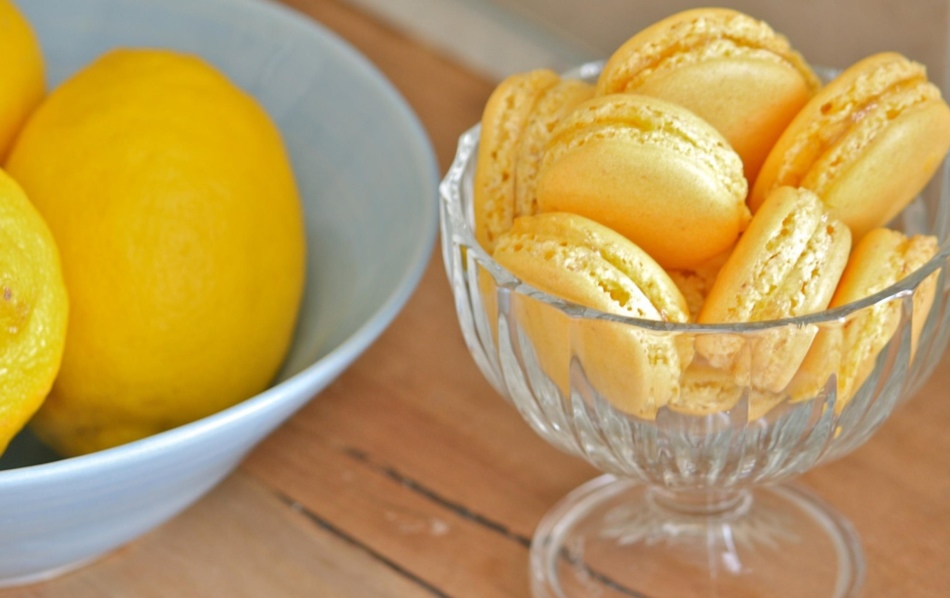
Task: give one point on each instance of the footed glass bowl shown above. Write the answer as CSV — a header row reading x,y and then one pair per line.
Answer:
x,y
694,500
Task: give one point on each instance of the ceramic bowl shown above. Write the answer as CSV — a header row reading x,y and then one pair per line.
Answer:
x,y
368,178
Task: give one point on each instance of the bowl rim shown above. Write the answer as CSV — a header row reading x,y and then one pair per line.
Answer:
x,y
331,363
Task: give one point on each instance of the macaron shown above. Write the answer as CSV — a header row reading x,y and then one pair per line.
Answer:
x,y
787,264
867,143
516,121
729,68
848,349
651,170
585,263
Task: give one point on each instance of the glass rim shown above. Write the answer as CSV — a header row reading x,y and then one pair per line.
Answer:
x,y
458,226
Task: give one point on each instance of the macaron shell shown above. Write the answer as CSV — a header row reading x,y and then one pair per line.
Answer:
x,y
683,38
635,370
750,101
650,170
583,262
866,143
506,114
892,170
787,264
730,69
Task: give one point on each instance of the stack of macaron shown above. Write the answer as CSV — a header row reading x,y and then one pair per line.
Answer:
x,y
741,188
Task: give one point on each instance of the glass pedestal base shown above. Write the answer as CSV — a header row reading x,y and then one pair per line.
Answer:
x,y
616,538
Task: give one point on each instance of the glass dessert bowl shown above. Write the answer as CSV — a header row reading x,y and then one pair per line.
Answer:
x,y
695,499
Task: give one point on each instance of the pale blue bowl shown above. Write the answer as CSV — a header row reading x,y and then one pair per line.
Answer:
x,y
369,180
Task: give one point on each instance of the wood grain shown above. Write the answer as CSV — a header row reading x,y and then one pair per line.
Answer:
x,y
410,477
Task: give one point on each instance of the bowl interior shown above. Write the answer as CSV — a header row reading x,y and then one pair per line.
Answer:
x,y
364,165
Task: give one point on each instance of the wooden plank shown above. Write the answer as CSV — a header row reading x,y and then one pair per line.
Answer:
x,y
435,471
240,540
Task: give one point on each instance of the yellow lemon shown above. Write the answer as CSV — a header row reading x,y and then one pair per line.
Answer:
x,y
174,206
33,309
21,73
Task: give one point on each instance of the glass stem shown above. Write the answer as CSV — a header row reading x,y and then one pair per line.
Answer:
x,y
711,502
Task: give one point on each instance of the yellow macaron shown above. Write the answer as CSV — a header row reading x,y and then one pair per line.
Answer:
x,y
787,264
731,69
848,350
651,170
516,121
580,261
867,143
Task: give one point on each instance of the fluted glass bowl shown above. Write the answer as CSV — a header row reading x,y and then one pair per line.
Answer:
x,y
694,500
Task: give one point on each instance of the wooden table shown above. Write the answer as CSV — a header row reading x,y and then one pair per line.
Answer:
x,y
409,476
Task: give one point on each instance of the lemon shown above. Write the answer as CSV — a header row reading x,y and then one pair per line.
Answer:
x,y
173,203
33,309
21,73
